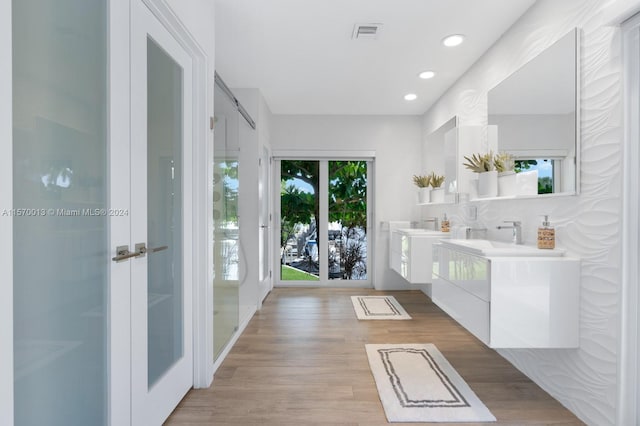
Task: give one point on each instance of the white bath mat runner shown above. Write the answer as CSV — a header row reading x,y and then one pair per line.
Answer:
x,y
417,384
378,308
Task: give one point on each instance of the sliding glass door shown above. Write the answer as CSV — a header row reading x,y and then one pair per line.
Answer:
x,y
299,218
348,219
324,217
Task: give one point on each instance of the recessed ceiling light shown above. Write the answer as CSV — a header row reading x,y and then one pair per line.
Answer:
x,y
410,97
453,40
427,74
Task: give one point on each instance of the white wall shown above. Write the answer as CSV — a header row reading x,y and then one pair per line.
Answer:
x,y
589,224
198,17
396,141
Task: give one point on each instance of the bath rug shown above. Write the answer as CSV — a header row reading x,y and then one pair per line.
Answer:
x,y
417,384
378,308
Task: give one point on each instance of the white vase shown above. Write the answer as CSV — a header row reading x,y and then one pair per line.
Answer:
x,y
507,184
437,195
424,195
527,183
488,184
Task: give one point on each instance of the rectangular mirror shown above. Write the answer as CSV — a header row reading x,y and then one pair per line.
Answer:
x,y
536,113
435,158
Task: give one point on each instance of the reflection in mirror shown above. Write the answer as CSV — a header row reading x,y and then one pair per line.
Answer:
x,y
536,116
436,159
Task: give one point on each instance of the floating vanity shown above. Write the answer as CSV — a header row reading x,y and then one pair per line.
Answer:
x,y
411,253
509,296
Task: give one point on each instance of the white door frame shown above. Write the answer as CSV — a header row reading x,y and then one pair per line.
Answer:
x,y
202,180
628,368
266,178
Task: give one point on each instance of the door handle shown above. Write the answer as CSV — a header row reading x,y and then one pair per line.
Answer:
x,y
142,249
123,253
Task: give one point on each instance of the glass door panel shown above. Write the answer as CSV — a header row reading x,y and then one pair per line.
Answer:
x,y
348,217
60,192
164,211
226,259
299,214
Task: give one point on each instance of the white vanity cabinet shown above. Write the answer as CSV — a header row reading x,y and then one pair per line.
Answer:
x,y
411,253
510,302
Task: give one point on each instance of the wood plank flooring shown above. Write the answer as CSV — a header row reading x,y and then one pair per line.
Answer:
x,y
301,361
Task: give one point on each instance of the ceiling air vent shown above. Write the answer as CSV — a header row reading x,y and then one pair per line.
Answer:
x,y
366,31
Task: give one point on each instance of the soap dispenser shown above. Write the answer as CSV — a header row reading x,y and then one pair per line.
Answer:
x,y
546,235
445,225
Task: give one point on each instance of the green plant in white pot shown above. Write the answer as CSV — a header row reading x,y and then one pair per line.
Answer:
x,y
487,175
422,182
437,191
504,164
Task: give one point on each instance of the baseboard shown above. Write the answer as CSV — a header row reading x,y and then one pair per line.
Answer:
x,y
233,340
265,293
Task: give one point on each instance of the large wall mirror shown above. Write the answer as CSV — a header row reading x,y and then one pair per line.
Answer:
x,y
536,112
435,158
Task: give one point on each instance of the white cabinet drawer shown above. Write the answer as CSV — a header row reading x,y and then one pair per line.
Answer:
x,y
470,273
467,309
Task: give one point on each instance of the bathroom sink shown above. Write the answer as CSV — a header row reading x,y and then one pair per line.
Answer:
x,y
490,248
420,231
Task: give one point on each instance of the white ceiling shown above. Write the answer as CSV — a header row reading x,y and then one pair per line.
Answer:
x,y
301,56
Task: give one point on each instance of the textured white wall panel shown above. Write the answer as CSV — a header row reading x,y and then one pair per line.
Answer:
x,y
589,224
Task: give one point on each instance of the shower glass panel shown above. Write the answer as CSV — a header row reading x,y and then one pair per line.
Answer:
x,y
226,256
60,180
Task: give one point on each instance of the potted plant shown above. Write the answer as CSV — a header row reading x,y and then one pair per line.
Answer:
x,y
422,182
437,191
487,174
504,164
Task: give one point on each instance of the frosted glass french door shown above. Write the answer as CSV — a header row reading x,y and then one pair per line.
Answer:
x,y
161,228
97,121
55,228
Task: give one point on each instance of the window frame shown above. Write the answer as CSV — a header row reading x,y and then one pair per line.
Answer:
x,y
324,157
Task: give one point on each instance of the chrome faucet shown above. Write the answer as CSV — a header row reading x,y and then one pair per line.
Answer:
x,y
475,233
517,230
433,220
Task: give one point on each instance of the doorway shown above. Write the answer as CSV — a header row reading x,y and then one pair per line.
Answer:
x,y
265,274
324,215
